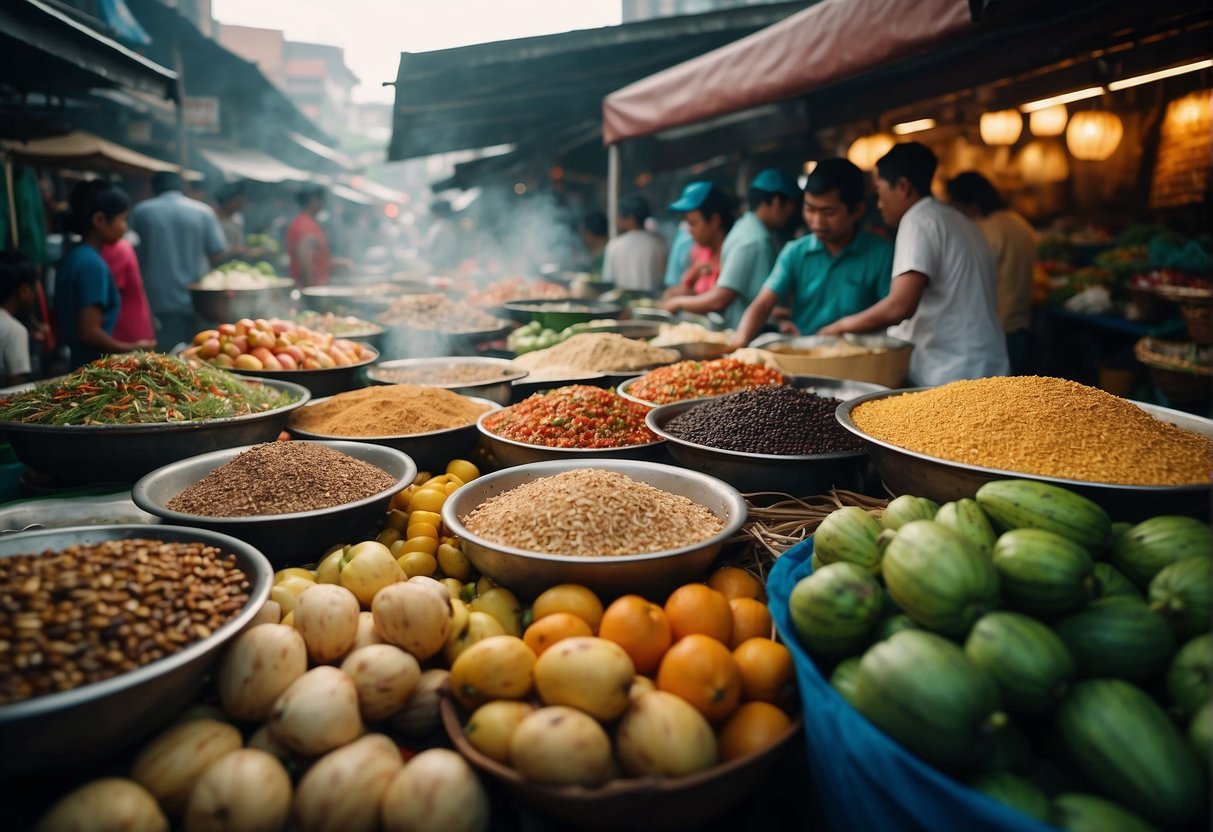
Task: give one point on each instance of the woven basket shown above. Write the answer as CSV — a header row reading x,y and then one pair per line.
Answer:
x,y
1150,305
1181,372
1181,294
1198,315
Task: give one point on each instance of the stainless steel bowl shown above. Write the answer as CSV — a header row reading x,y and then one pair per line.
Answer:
x,y
430,451
526,387
403,341
800,475
366,298
328,382
653,574
79,727
509,452
624,388
286,539
124,453
909,472
628,329
497,388
230,305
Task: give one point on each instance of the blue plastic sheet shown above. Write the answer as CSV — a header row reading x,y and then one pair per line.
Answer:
x,y
863,778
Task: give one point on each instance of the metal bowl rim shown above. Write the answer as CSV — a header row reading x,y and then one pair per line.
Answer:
x,y
304,396
286,283
141,498
735,502
896,344
516,373
261,582
592,306
307,434
843,414
372,330
623,387
574,452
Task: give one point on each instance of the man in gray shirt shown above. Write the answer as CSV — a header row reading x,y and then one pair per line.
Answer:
x,y
636,258
179,241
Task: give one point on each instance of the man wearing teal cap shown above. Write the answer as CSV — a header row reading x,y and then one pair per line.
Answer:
x,y
749,250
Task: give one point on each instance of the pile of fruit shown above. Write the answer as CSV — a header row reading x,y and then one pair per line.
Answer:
x,y
1026,642
274,345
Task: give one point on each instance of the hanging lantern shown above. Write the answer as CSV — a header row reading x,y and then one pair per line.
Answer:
x,y
1051,121
866,151
1043,163
1001,127
1094,135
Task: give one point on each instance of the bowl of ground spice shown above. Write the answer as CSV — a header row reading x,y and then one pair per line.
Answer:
x,y
697,380
616,526
430,424
574,422
109,631
782,439
1134,459
291,500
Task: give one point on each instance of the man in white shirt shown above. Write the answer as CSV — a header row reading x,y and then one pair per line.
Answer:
x,y
636,258
942,297
18,277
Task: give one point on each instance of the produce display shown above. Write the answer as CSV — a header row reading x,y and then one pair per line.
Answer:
x,y
339,326
140,388
591,512
437,313
281,478
577,416
1025,642
388,410
274,345
697,379
997,423
236,274
90,612
515,288
600,352
777,420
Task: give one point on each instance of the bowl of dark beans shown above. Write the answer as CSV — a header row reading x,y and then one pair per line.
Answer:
x,y
782,439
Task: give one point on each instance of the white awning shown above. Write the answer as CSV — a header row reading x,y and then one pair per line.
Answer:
x,y
350,195
246,163
322,150
85,150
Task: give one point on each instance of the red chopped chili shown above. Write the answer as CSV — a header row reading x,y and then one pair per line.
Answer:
x,y
698,379
578,416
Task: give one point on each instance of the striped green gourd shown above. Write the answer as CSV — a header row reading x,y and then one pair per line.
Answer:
x,y
1190,676
1016,792
1111,583
968,519
1028,662
1028,504
1076,812
1117,638
844,676
938,578
906,509
1152,545
835,610
1200,734
848,535
1183,594
1042,573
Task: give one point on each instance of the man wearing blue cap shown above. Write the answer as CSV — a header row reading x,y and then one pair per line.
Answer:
x,y
749,250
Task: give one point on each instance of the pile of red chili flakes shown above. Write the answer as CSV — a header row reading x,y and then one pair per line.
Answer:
x,y
578,416
698,379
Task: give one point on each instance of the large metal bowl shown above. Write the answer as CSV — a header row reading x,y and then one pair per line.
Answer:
x,y
286,539
528,386
430,451
509,452
78,727
124,453
887,368
327,382
368,299
497,389
801,475
909,472
653,574
624,389
403,341
220,305
556,313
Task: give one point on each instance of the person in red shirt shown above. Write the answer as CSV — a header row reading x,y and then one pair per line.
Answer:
x,y
135,315
306,244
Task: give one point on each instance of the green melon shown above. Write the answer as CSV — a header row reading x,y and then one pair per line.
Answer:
x,y
1190,676
906,509
1117,638
835,610
844,676
849,535
1151,545
1200,734
966,518
1111,583
1014,791
1028,662
1183,594
1042,573
1087,813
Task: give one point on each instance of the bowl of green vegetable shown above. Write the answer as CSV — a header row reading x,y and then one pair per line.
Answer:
x,y
119,417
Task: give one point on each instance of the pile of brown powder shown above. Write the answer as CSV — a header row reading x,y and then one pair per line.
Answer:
x,y
1044,426
591,512
390,410
281,478
603,352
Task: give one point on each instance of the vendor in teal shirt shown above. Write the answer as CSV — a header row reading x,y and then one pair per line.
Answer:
x,y
748,252
835,271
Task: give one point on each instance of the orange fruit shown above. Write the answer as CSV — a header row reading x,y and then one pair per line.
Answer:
x,y
767,673
552,628
570,598
732,582
640,627
697,608
750,620
702,671
751,728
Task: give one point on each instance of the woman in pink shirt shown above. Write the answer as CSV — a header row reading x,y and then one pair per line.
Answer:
x,y
134,316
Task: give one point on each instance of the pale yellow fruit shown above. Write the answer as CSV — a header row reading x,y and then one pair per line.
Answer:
x,y
413,616
318,713
664,735
367,634
368,567
109,803
343,790
561,746
587,673
476,627
436,790
261,663
421,715
499,667
244,791
385,677
327,618
490,727
503,605
170,764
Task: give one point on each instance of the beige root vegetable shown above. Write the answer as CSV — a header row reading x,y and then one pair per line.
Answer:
x,y
270,613
562,746
327,618
170,764
413,616
420,716
112,803
435,790
385,677
367,634
665,736
246,790
261,663
343,790
318,713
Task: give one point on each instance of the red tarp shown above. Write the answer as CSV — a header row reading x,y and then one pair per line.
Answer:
x,y
825,43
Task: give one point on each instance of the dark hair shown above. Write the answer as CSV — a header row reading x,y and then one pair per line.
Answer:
x,y
596,223
166,180
759,197
971,188
229,191
636,207
307,193
914,161
837,174
718,202
16,270
90,197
